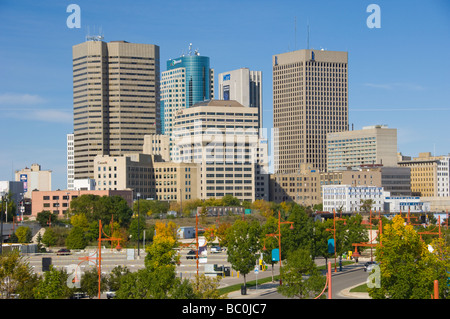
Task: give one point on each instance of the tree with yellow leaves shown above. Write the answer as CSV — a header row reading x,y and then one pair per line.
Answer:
x,y
162,253
408,267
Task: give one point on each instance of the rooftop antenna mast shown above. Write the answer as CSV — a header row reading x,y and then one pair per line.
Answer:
x,y
307,41
295,33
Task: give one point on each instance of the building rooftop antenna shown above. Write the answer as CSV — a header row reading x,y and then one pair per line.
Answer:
x,y
307,38
98,37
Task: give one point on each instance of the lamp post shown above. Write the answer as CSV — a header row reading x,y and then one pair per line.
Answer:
x,y
139,234
1,227
279,238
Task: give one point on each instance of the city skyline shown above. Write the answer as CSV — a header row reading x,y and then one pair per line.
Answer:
x,y
396,76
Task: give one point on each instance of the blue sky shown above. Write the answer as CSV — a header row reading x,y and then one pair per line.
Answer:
x,y
398,74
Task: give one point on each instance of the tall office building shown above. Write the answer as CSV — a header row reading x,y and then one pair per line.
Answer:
x,y
222,137
187,80
115,99
244,86
310,99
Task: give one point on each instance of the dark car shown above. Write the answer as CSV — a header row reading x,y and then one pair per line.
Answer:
x,y
368,266
63,251
192,254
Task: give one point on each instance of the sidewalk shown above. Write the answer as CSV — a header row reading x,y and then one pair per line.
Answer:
x,y
255,292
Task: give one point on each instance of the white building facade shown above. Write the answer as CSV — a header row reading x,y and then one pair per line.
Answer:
x,y
347,198
443,181
403,204
243,86
70,162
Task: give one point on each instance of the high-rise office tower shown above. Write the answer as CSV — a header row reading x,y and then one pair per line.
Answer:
x,y
310,99
222,137
115,99
244,86
187,81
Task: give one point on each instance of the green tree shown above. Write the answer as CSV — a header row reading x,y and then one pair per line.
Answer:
x,y
105,208
45,218
243,244
76,239
16,277
301,277
23,234
49,238
53,285
154,284
301,234
115,276
408,267
230,200
151,207
89,282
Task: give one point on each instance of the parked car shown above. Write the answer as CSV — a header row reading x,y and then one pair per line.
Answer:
x,y
63,251
216,249
110,294
192,254
368,266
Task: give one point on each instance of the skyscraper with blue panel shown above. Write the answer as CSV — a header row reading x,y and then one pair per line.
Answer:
x,y
188,79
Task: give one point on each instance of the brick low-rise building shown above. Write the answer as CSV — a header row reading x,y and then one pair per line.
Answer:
x,y
58,201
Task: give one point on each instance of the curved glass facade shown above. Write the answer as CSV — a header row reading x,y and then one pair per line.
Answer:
x,y
197,79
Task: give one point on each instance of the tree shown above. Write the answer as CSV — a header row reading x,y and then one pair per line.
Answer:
x,y
79,220
302,233
149,284
96,208
301,277
151,207
221,234
23,234
16,277
407,267
161,252
243,244
207,287
53,285
115,276
45,218
264,207
230,200
76,239
89,282
49,238
366,205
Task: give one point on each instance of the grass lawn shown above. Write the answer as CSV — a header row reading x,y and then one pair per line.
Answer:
x,y
360,288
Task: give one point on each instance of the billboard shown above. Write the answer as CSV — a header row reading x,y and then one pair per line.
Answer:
x,y
24,179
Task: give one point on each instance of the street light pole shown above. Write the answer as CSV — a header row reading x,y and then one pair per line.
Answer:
x,y
1,221
139,233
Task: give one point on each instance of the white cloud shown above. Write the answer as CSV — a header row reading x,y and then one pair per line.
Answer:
x,y
392,86
41,115
9,99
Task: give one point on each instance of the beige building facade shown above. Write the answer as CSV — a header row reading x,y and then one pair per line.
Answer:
x,y
34,179
149,176
429,175
115,100
222,137
302,187
372,145
310,100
